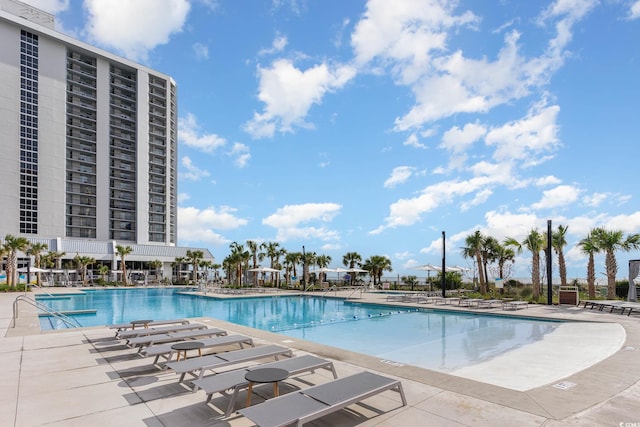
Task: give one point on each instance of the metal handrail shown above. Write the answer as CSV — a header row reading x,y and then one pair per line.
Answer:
x,y
68,321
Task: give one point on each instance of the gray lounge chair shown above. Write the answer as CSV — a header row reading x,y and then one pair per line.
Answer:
x,y
128,325
214,361
165,351
133,333
312,403
174,337
514,305
235,380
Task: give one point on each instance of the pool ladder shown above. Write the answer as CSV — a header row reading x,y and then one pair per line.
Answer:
x,y
69,322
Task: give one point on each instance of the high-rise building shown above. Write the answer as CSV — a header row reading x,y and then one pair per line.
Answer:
x,y
88,144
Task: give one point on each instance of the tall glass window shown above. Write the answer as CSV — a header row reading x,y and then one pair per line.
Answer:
x,y
28,133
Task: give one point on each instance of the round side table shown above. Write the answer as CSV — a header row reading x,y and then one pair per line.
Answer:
x,y
265,375
144,322
183,347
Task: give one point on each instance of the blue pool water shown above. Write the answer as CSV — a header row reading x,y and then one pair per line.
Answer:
x,y
427,338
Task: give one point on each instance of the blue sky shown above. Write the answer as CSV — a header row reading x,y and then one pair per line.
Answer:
x,y
373,126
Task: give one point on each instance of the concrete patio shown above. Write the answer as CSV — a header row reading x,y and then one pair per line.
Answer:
x,y
87,377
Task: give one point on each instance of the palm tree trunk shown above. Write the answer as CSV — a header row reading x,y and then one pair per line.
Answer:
x,y
535,275
612,269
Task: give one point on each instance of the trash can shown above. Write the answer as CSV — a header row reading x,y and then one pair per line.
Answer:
x,y
569,295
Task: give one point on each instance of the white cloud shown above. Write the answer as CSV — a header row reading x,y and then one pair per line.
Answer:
x,y
133,28
241,155
403,34
634,10
595,199
189,134
413,141
196,225
277,46
201,51
459,140
560,196
528,138
191,172
289,93
399,175
183,197
547,180
289,221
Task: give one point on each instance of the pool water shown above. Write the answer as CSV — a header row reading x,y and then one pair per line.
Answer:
x,y
426,338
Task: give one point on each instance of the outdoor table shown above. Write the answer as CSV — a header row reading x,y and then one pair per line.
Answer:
x,y
183,347
144,322
265,375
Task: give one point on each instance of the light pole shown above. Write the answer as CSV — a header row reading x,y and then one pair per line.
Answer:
x,y
444,267
304,278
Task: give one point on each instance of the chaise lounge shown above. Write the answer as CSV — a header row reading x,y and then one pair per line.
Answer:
x,y
314,402
166,351
149,340
235,380
133,333
214,361
131,325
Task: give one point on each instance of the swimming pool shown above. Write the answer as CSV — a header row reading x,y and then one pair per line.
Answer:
x,y
426,338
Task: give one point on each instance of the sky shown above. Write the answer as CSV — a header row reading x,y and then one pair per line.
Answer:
x,y
374,126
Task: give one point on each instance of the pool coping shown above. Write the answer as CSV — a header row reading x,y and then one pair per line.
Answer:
x,y
591,387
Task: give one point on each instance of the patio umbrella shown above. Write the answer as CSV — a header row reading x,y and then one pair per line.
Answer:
x,y
32,270
264,270
323,270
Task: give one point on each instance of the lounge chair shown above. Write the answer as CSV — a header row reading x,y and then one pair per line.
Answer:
x,y
314,402
488,303
235,380
128,325
446,301
214,361
149,340
165,351
469,302
133,333
514,305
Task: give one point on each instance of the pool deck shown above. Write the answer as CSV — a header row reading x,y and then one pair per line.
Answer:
x,y
86,377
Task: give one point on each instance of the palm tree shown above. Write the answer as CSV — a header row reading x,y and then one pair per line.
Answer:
x,y
157,268
475,245
35,250
13,245
610,241
349,260
273,251
122,252
291,259
57,257
410,280
253,247
589,246
323,261
239,257
81,264
103,270
558,242
206,265
376,265
194,258
502,255
535,242
307,259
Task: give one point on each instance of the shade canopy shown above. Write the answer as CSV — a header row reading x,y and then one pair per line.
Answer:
x,y
32,270
264,270
351,270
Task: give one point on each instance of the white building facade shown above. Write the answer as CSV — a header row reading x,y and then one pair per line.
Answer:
x,y
88,142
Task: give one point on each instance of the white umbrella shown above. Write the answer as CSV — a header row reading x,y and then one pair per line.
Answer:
x,y
324,270
351,270
264,270
32,270
428,267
